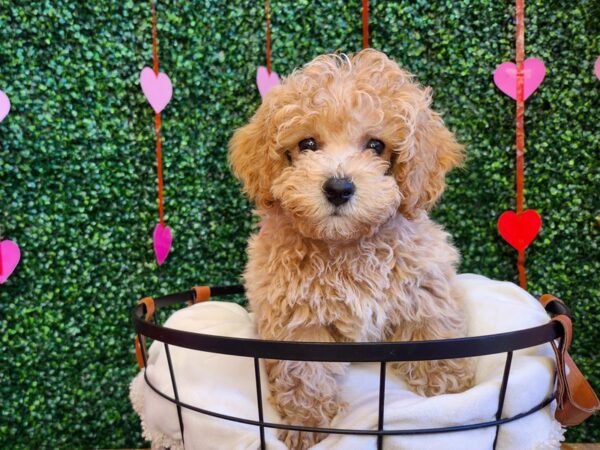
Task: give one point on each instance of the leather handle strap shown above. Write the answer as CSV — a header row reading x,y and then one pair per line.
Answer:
x,y
560,351
576,400
148,302
140,344
137,343
201,294
554,305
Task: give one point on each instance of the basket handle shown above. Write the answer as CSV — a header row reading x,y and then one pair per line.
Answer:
x,y
201,294
140,344
576,400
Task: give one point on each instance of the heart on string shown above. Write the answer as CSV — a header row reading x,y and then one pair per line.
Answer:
x,y
265,80
505,77
4,105
596,71
162,239
519,230
157,89
10,254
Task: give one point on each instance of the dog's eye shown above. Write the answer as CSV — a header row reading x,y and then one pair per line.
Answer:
x,y
307,144
376,145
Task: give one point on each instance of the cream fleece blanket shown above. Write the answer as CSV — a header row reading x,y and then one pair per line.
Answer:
x,y
225,384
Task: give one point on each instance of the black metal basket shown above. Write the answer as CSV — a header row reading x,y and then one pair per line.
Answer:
x,y
382,352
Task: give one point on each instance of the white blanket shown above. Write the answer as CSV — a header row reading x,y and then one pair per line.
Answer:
x,y
225,384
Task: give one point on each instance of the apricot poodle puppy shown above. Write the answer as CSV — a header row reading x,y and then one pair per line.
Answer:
x,y
343,161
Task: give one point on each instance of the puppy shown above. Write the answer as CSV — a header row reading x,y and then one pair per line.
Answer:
x,y
343,161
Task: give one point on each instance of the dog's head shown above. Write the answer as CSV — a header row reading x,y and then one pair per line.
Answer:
x,y
344,144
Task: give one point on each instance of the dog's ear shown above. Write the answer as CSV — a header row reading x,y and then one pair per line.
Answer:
x,y
254,158
432,150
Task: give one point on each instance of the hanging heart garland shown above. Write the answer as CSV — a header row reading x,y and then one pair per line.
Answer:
x,y
266,79
505,77
10,254
158,90
519,81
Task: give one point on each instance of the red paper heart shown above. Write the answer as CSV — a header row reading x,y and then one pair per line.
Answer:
x,y
519,230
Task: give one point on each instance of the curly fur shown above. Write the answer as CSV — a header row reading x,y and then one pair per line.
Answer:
x,y
373,269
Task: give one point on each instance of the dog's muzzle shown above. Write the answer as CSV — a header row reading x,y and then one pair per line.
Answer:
x,y
339,190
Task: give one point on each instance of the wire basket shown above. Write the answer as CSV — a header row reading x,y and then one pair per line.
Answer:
x,y
145,324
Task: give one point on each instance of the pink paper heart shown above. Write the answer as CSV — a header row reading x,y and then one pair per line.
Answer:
x,y
4,105
505,77
157,89
10,254
265,80
596,69
162,242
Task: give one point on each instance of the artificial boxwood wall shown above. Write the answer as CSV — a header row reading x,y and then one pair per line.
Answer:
x,y
77,176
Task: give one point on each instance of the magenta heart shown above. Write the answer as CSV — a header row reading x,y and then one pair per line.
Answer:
x,y
596,71
157,89
505,77
265,80
9,258
162,242
4,105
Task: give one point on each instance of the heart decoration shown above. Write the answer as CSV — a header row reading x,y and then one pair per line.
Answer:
x,y
163,239
265,80
505,77
157,88
4,105
10,254
596,70
519,230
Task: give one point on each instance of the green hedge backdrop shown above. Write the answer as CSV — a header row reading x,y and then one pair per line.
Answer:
x,y
78,188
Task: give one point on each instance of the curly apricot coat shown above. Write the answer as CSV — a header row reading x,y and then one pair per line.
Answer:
x,y
374,268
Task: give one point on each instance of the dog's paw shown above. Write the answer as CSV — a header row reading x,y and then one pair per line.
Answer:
x,y
437,377
300,440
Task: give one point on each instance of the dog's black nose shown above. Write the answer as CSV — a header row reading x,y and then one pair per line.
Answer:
x,y
338,190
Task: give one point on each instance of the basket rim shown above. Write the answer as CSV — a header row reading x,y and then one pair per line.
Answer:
x,y
337,351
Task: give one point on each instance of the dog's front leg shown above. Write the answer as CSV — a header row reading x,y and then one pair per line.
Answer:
x,y
305,393
439,315
436,377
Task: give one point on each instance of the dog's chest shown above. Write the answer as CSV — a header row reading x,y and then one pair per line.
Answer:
x,y
350,297
346,290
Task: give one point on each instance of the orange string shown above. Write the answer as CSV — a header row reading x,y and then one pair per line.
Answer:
x,y
159,174
157,123
154,39
268,42
520,127
365,23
